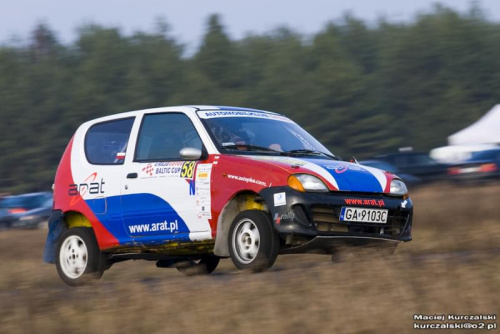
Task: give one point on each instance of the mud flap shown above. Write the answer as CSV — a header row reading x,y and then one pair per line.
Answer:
x,y
56,228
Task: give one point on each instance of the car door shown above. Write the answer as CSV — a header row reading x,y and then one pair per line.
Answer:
x,y
159,194
97,173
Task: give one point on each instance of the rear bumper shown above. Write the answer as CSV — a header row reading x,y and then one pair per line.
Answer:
x,y
56,229
312,219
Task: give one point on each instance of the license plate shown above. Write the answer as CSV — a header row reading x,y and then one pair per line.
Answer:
x,y
470,170
350,214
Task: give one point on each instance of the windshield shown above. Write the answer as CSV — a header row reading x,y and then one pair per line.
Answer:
x,y
258,133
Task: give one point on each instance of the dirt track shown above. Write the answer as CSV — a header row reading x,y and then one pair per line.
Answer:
x,y
452,266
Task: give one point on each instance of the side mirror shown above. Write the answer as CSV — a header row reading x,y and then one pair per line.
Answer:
x,y
190,153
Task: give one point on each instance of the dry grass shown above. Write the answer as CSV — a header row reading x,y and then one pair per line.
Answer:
x,y
451,267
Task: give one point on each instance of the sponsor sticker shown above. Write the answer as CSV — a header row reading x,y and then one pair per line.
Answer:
x,y
241,113
285,216
170,169
370,202
246,180
148,169
279,199
202,191
164,226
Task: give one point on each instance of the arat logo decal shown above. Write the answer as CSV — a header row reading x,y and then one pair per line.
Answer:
x,y
78,190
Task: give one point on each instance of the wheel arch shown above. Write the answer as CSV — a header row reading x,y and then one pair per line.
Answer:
x,y
241,201
59,222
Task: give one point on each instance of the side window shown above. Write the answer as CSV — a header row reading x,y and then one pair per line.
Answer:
x,y
162,136
104,141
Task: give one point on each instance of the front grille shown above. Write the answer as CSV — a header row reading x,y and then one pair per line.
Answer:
x,y
326,220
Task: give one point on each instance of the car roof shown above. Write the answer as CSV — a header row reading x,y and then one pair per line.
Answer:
x,y
189,109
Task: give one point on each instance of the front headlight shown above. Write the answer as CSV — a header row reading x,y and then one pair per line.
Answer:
x,y
398,188
306,182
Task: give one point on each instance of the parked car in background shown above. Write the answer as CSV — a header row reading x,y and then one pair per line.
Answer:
x,y
482,166
419,164
26,211
455,154
410,180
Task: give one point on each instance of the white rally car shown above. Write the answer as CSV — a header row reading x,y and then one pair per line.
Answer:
x,y
186,186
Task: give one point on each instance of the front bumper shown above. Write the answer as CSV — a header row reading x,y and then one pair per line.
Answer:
x,y
300,218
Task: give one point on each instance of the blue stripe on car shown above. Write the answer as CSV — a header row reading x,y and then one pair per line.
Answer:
x,y
140,210
349,177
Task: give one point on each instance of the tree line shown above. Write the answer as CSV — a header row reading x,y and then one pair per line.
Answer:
x,y
360,88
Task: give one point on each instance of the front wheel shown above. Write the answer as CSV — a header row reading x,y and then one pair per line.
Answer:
x,y
253,243
78,257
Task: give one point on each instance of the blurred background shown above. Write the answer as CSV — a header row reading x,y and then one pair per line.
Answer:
x,y
409,88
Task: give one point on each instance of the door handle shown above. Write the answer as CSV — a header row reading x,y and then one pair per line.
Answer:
x,y
132,176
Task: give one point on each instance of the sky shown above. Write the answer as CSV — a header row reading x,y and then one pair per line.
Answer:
x,y
187,18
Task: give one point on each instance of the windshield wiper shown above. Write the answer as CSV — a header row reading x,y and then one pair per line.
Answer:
x,y
311,152
243,147
246,147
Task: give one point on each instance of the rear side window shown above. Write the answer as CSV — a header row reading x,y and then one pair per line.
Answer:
x,y
105,140
162,136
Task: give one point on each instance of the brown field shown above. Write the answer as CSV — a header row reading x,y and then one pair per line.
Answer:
x,y
451,267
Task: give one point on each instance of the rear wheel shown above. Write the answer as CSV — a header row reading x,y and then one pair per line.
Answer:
x,y
203,266
78,257
253,243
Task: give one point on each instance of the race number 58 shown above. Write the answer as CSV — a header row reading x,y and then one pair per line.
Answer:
x,y
188,169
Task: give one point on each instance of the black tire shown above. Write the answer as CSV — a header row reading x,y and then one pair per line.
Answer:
x,y
253,242
206,265
78,258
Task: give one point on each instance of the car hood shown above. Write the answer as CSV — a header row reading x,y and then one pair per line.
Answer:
x,y
338,175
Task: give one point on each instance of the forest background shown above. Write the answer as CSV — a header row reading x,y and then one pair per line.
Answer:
x,y
361,89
